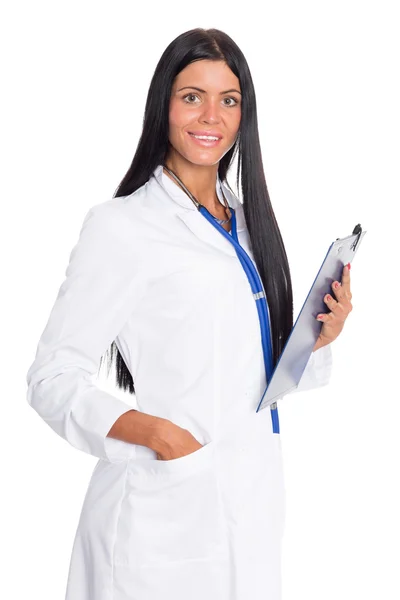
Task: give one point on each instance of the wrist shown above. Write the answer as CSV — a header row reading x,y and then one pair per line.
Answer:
x,y
319,344
136,427
158,434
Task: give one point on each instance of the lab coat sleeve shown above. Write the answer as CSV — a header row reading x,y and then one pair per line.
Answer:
x,y
318,370
93,304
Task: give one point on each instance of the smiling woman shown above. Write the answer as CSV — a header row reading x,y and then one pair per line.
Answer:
x,y
204,121
217,102
186,501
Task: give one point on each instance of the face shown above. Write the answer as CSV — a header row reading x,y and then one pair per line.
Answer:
x,y
205,100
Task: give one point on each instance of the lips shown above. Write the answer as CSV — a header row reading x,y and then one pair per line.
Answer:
x,y
206,133
203,142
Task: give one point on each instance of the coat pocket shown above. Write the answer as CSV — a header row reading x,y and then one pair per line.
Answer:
x,y
171,511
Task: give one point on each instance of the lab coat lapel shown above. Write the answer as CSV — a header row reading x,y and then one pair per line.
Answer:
x,y
195,221
206,232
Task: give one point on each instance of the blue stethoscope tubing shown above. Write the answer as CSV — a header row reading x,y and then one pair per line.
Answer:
x,y
259,295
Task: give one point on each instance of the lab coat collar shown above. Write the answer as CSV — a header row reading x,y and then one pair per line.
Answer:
x,y
176,193
195,221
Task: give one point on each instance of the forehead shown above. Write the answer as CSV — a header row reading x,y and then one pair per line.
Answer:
x,y
207,74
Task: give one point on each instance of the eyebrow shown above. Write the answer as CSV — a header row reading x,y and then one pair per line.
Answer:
x,y
192,87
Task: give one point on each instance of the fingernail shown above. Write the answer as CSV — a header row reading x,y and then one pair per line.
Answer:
x,y
348,266
336,285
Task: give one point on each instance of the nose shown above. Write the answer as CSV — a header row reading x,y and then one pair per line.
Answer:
x,y
211,112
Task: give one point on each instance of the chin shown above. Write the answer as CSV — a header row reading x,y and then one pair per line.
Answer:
x,y
205,163
203,159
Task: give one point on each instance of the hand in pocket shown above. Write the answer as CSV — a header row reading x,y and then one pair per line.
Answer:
x,y
175,442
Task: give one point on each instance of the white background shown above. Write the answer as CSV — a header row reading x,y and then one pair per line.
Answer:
x,y
76,76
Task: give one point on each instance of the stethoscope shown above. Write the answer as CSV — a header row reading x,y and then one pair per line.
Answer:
x,y
254,281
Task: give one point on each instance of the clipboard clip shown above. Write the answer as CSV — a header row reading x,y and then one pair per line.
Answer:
x,y
356,231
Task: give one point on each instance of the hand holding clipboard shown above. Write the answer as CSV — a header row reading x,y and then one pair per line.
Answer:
x,y
307,329
340,305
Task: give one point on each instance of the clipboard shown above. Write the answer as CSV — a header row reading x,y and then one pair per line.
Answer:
x,y
301,341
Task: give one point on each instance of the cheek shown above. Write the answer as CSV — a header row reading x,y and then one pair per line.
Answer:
x,y
178,117
237,119
234,123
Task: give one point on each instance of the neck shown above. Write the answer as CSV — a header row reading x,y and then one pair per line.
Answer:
x,y
200,180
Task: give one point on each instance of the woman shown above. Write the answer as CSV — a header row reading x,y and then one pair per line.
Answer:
x,y
186,500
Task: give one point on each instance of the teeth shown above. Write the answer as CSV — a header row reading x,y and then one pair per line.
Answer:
x,y
204,137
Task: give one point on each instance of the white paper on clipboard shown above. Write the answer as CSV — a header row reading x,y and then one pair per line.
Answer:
x,y
301,341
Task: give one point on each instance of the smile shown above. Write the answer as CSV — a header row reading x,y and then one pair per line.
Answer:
x,y
208,141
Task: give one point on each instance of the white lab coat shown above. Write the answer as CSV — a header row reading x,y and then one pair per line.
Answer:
x,y
150,272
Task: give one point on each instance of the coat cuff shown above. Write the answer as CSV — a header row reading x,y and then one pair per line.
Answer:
x,y
91,414
318,370
107,448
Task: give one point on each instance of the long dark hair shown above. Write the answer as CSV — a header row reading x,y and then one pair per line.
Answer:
x,y
265,237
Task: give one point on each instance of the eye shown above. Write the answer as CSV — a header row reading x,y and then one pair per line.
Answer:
x,y
189,96
234,100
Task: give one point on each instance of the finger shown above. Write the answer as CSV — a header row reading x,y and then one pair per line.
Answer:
x,y
340,292
337,290
346,279
339,310
325,317
330,302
